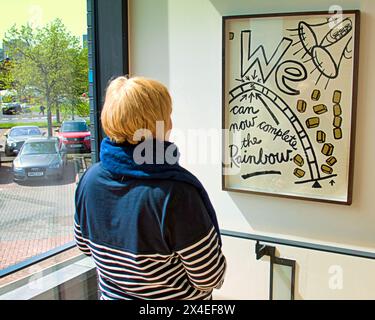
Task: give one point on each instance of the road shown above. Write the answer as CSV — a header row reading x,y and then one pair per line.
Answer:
x,y
26,117
29,117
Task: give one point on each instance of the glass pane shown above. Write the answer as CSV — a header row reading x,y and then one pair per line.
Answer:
x,y
67,276
282,282
45,138
21,277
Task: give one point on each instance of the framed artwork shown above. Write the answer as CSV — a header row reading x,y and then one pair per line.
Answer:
x,y
289,104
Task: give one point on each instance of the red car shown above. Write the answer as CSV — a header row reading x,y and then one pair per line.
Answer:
x,y
74,136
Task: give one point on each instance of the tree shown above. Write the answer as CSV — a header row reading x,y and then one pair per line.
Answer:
x,y
78,81
42,60
6,74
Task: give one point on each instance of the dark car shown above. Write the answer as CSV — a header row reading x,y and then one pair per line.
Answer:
x,y
12,109
39,158
75,136
17,137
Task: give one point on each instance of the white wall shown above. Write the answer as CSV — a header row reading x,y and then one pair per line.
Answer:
x,y
179,43
319,275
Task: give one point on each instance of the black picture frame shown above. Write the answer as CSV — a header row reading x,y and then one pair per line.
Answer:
x,y
356,45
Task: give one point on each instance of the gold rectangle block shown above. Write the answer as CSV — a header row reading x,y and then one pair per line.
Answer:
x,y
312,122
299,173
337,96
327,149
321,136
301,106
337,110
337,122
315,95
337,133
331,161
326,169
320,109
298,160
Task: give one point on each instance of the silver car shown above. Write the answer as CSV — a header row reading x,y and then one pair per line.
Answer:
x,y
39,158
17,137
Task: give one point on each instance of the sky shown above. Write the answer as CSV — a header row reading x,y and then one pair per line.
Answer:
x,y
40,12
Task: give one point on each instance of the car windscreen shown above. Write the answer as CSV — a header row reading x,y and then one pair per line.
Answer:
x,y
17,132
74,127
32,148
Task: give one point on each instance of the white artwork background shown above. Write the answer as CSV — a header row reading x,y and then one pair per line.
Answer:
x,y
259,101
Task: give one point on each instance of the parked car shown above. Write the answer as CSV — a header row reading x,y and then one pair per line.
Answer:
x,y
39,158
17,136
26,108
75,136
12,109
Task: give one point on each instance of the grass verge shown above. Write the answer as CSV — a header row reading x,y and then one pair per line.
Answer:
x,y
9,125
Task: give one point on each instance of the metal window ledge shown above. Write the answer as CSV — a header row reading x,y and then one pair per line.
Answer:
x,y
43,286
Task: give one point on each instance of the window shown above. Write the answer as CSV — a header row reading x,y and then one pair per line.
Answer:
x,y
27,131
74,127
39,148
45,138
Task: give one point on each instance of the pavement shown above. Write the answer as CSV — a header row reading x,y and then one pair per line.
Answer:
x,y
34,217
24,117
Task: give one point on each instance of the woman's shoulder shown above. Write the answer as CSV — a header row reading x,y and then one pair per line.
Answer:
x,y
97,177
94,173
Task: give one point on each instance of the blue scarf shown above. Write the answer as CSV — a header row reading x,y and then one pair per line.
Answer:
x,y
161,163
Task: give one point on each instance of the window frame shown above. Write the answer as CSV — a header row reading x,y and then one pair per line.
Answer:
x,y
103,17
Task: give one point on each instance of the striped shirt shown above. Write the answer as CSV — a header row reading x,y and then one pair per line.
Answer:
x,y
163,267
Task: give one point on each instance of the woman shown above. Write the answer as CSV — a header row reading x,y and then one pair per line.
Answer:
x,y
147,222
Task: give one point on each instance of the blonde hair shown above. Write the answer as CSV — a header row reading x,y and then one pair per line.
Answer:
x,y
132,104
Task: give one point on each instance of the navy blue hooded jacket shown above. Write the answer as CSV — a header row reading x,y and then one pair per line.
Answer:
x,y
150,230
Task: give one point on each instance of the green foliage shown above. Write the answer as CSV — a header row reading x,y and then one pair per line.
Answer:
x,y
48,64
8,98
6,74
77,83
9,125
83,109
